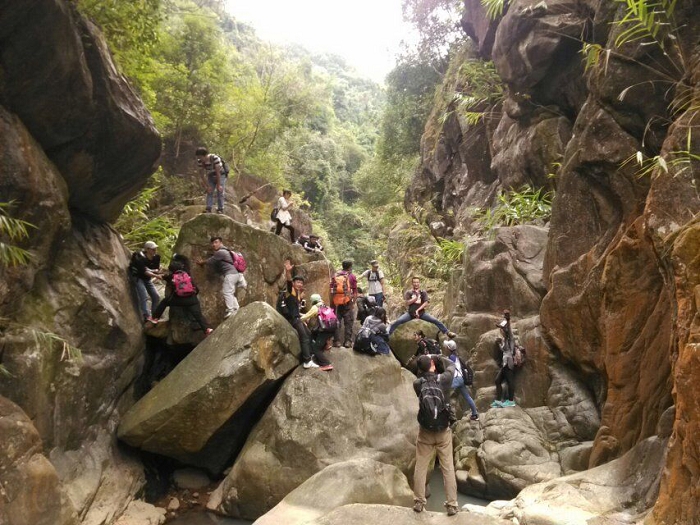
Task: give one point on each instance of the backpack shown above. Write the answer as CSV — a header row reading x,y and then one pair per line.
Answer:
x,y
431,346
363,344
520,356
282,306
433,411
224,168
273,214
184,287
467,373
238,260
341,290
327,320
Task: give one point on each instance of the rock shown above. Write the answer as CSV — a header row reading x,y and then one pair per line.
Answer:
x,y
30,489
576,458
402,341
365,408
173,504
190,478
479,27
232,373
141,513
354,481
91,123
360,514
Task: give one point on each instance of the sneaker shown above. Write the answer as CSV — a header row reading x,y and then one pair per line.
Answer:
x,y
509,403
151,319
310,364
207,210
208,331
418,506
496,404
452,510
326,368
474,417
337,344
451,335
227,315
219,211
347,345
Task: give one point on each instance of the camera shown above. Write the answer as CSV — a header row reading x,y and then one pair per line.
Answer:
x,y
302,303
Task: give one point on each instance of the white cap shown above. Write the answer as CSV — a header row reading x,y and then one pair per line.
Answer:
x,y
149,245
450,345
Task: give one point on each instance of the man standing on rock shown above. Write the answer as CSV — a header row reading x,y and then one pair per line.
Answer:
x,y
344,295
434,434
375,279
214,178
416,301
222,263
143,268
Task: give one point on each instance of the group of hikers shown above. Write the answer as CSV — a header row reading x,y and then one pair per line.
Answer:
x,y
320,326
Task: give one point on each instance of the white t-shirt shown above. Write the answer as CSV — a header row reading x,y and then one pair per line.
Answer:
x,y
282,214
374,280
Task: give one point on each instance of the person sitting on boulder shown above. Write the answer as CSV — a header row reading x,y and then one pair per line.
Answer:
x,y
313,245
365,305
416,301
180,291
507,370
459,382
222,262
293,300
320,340
377,326
143,268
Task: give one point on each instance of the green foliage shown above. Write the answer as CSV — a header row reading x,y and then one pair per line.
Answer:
x,y
480,89
646,20
516,207
52,342
11,231
438,26
494,8
448,254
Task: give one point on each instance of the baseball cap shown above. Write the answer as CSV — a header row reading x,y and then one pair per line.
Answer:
x,y
315,298
450,345
374,262
149,245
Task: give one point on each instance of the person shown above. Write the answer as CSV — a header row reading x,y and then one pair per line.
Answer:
x,y
312,245
459,382
213,178
416,301
378,328
319,340
189,303
507,371
375,279
284,218
294,300
434,435
222,263
344,294
143,268
365,305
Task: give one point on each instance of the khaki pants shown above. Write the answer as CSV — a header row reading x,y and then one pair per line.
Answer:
x,y
441,443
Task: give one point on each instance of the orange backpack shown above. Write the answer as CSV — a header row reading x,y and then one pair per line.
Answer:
x,y
341,290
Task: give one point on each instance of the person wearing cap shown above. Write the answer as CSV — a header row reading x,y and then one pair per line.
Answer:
x,y
375,279
143,268
295,302
319,340
458,382
312,244
345,308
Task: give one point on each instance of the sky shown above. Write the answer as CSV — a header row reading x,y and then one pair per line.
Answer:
x,y
367,33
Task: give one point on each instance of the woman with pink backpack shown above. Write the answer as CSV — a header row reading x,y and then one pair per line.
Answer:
x,y
322,322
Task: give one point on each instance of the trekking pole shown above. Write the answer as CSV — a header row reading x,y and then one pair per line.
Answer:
x,y
253,193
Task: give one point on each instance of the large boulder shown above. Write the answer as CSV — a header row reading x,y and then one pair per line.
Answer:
x,y
354,481
402,341
201,412
90,122
364,408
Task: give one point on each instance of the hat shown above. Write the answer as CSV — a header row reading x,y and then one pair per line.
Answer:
x,y
450,345
149,245
298,278
374,262
315,298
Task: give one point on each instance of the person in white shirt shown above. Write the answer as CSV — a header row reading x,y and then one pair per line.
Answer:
x,y
284,218
375,278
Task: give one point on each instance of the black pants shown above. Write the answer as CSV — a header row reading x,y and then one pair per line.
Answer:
x,y
318,343
304,339
189,304
279,227
508,375
346,316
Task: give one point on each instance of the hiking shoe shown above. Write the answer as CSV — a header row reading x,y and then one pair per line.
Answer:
x,y
418,506
508,403
227,315
451,335
474,417
497,404
326,368
452,510
337,344
208,331
311,364
207,210
219,211
347,345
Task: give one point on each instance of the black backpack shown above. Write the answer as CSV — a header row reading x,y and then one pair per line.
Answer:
x,y
467,373
433,411
224,167
282,306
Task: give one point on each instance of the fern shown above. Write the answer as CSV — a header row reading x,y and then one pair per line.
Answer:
x,y
13,230
51,340
494,8
515,207
646,19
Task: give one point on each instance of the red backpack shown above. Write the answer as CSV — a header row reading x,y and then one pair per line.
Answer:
x,y
184,287
327,320
239,262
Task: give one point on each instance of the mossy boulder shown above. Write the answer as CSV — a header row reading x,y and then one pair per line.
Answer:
x,y
402,341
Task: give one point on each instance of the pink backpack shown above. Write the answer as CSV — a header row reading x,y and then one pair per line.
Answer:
x,y
239,262
184,287
327,320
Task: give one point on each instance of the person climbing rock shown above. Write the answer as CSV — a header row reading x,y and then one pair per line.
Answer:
x,y
222,262
365,305
214,175
507,371
319,338
283,219
312,244
416,301
434,434
143,268
375,280
292,300
344,294
461,378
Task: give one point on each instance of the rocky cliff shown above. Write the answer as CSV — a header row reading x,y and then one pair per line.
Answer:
x,y
620,269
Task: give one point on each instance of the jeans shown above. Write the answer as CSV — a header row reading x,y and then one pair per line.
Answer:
x,y
346,315
144,290
508,375
231,281
211,181
406,317
441,443
379,297
458,384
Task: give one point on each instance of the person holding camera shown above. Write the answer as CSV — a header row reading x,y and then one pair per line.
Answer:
x,y
434,434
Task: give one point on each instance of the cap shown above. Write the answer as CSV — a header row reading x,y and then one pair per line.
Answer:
x,y
450,345
298,278
315,298
149,245
374,262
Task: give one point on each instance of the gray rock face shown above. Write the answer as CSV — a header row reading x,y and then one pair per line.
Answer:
x,y
365,408
402,341
354,481
364,514
200,411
